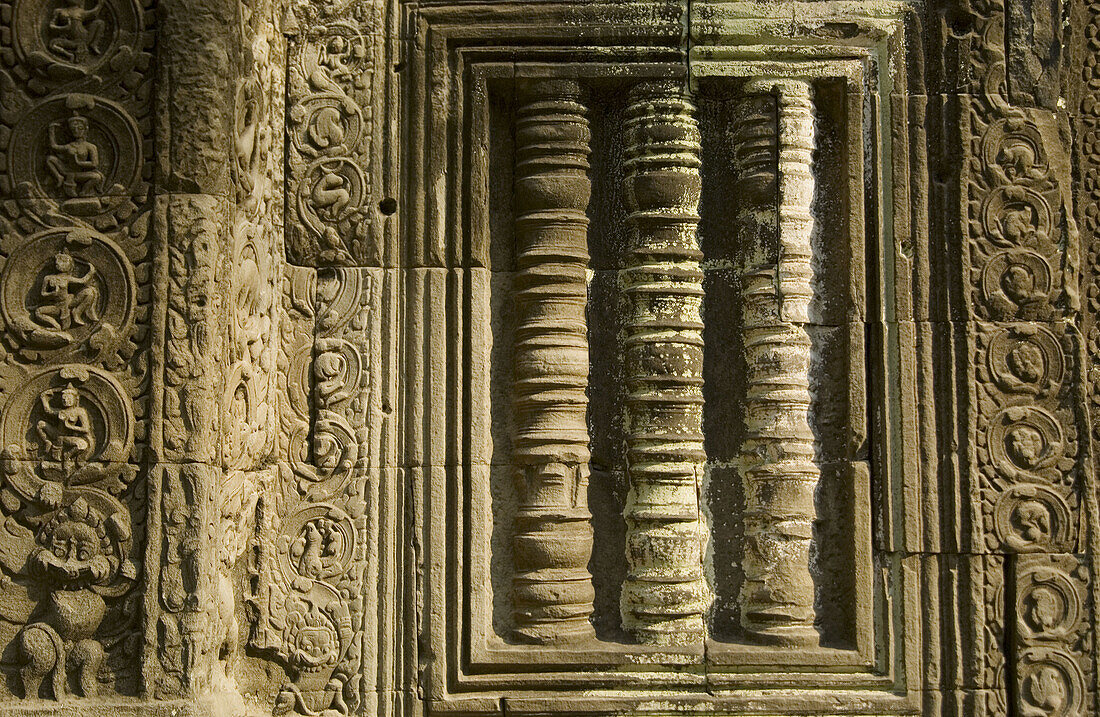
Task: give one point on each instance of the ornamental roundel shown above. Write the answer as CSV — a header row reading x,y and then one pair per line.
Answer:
x,y
1032,518
1016,217
1026,443
1017,284
1026,360
326,124
76,149
318,543
337,372
326,453
1051,684
68,288
1049,605
330,195
75,422
72,38
1013,149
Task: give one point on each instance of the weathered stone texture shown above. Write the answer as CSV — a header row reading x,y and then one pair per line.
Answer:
x,y
372,357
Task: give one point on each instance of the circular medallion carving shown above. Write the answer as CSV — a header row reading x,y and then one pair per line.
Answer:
x,y
66,288
1017,283
318,543
337,371
326,124
1026,360
1051,684
1016,216
72,38
1049,606
1026,442
76,149
330,194
1014,150
1032,518
330,454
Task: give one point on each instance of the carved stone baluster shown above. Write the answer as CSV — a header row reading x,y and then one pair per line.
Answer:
x,y
665,594
778,469
552,591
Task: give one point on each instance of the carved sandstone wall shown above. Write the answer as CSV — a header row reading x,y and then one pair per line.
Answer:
x,y
384,357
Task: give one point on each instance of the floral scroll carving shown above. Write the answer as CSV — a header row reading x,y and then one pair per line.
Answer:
x,y
310,605
330,186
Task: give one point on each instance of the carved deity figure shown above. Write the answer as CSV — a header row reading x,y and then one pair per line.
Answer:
x,y
326,128
74,164
1026,446
1047,690
1019,285
327,453
67,433
68,299
1032,521
79,551
1017,225
337,57
1043,610
316,548
75,31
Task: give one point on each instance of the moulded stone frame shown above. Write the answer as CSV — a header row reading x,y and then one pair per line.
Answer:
x,y
474,671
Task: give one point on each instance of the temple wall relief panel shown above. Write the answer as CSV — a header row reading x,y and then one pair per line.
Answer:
x,y
430,357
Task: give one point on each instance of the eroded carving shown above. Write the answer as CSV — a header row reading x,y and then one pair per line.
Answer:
x,y
778,469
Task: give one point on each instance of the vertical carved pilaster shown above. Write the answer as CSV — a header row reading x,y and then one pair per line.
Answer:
x,y
778,469
553,536
664,595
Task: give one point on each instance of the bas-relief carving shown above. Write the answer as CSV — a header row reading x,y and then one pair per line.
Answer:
x,y
76,309
254,450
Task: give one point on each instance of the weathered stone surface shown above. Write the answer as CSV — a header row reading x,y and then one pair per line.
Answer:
x,y
369,357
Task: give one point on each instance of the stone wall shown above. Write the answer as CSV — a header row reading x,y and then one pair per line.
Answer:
x,y
367,357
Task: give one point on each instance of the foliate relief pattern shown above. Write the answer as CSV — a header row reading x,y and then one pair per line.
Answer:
x,y
1022,238
778,468
1088,205
330,174
1053,645
310,605
248,400
1027,441
664,596
552,589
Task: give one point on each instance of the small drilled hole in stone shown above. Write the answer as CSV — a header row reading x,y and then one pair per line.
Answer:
x,y
388,206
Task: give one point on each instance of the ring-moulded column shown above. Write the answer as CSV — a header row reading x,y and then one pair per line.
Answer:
x,y
552,589
778,469
664,595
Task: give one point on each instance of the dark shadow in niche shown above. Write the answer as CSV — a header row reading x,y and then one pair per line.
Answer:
x,y
723,356
836,373
502,264
608,240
